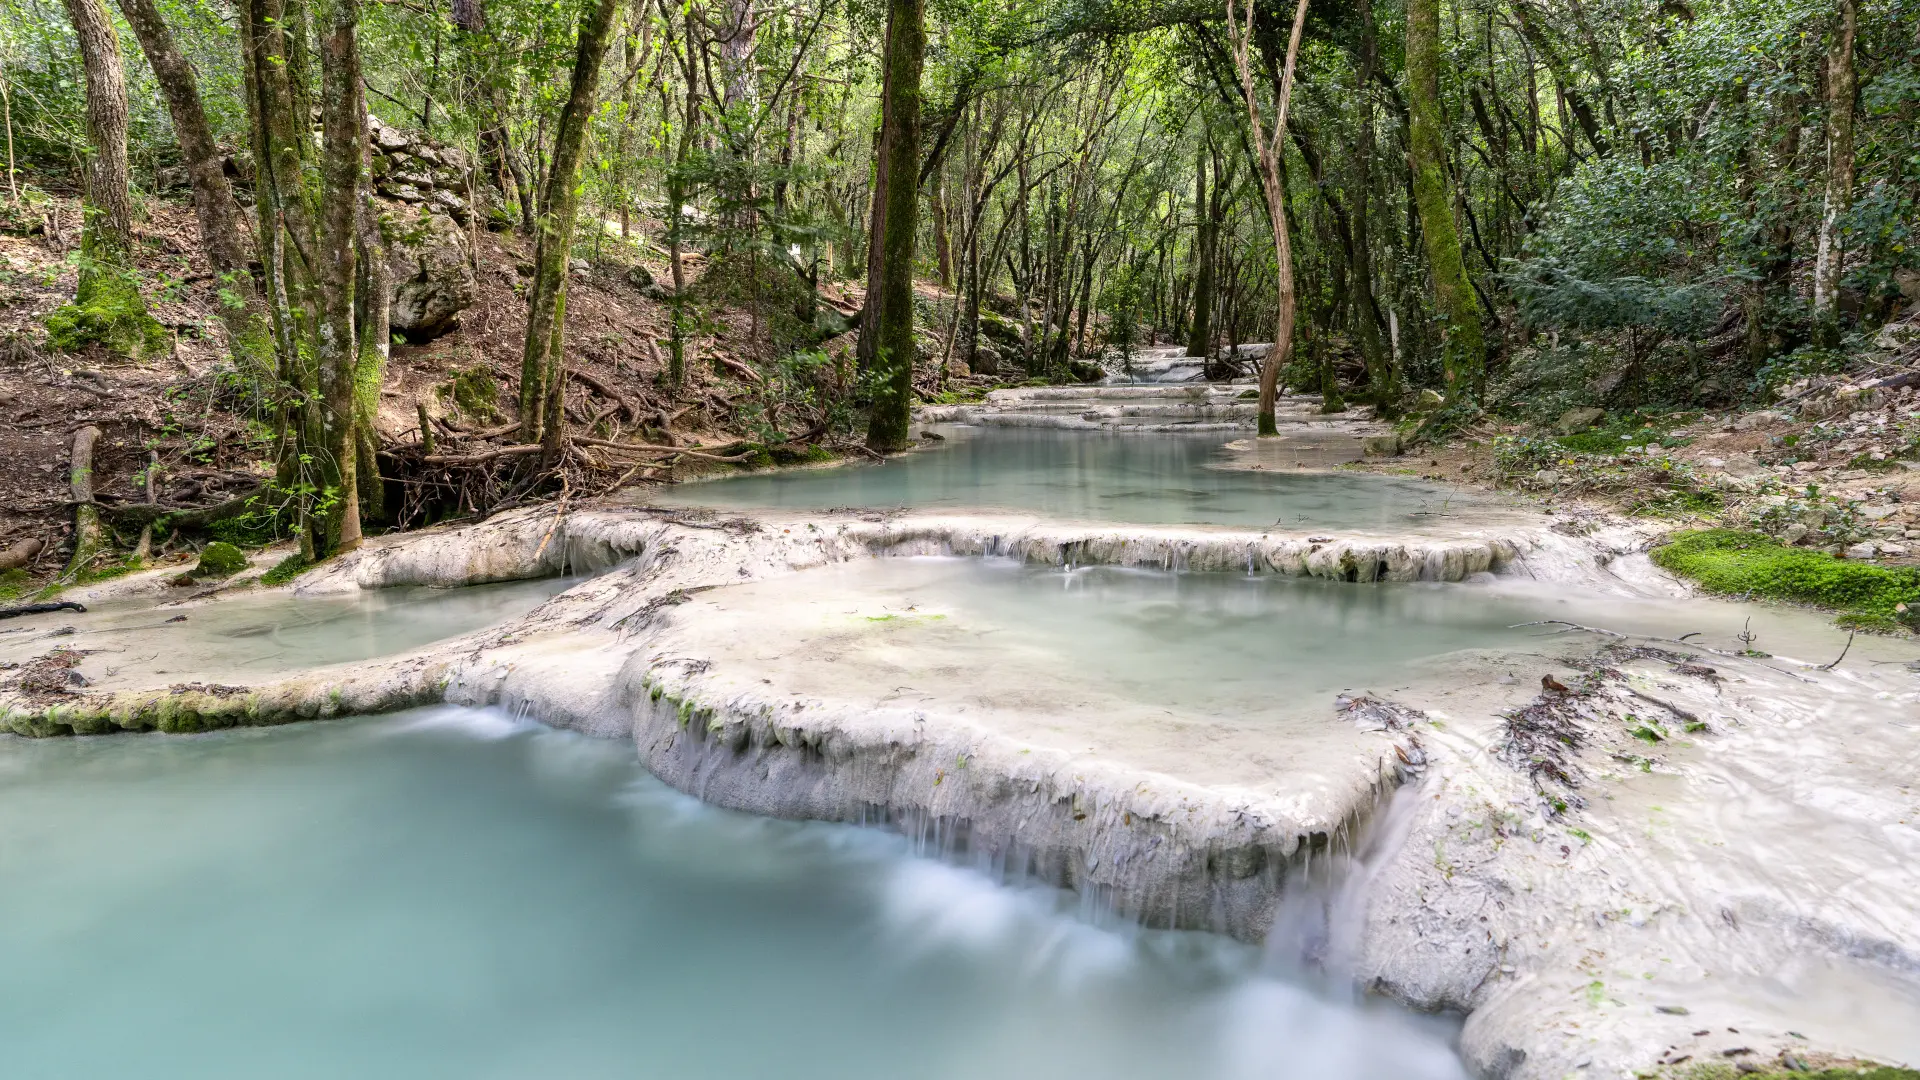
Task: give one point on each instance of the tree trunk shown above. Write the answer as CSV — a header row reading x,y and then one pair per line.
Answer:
x,y
88,541
1464,350
1841,87
1201,335
541,386
343,152
887,425
1380,374
107,306
222,235
1268,154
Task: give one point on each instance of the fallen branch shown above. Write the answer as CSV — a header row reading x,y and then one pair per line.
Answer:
x,y
40,609
1669,641
650,448
604,391
491,455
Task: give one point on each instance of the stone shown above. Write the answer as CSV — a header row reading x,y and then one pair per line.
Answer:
x,y
1893,549
388,139
1865,549
1794,533
1574,421
406,193
1805,466
578,266
1429,400
1756,419
1879,513
1547,476
1387,445
432,277
219,560
450,204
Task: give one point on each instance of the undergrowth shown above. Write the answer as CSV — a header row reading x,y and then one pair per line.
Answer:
x,y
1736,563
285,570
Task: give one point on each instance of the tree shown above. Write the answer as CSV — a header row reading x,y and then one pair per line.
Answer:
x,y
1464,349
108,306
542,383
1841,89
887,425
221,235
1200,337
1267,153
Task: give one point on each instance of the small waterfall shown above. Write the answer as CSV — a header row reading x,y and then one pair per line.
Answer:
x,y
1320,917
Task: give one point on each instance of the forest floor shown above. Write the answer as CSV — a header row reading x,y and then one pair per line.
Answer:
x,y
191,417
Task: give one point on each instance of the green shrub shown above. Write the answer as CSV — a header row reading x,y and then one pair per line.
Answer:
x,y
285,570
1736,563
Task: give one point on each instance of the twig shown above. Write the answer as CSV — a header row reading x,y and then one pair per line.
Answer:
x,y
476,459
565,491
1669,641
1843,653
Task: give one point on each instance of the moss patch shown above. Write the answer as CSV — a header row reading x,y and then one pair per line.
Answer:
x,y
1735,563
13,584
108,311
1717,1071
219,560
474,392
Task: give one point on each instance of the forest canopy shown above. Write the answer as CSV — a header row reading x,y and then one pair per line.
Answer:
x,y
1521,205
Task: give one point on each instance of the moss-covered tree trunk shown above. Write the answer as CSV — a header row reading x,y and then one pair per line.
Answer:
x,y
888,423
107,307
1200,333
1842,85
222,237
343,153
1464,349
541,386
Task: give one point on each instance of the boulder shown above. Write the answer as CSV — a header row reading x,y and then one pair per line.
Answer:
x,y
1575,421
432,277
1387,445
388,139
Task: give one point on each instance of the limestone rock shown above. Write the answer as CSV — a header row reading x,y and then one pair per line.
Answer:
x,y
432,277
1387,445
1574,421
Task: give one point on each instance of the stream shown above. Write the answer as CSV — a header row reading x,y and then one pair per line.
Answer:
x,y
449,893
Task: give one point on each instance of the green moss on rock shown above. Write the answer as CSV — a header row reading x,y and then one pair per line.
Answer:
x,y
1736,563
220,560
108,311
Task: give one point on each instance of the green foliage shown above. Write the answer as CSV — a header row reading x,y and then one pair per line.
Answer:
x,y
1735,563
13,584
285,570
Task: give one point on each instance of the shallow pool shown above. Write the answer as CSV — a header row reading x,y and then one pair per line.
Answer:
x,y
254,635
446,893
1089,476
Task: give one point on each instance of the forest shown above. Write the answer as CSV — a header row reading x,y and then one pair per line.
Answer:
x,y
1438,210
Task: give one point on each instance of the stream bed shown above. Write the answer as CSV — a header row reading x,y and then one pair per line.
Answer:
x,y
1091,476
449,893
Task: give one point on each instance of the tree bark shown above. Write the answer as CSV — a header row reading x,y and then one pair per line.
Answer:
x,y
1380,373
1464,349
222,235
1200,337
887,424
87,539
1841,87
541,388
1268,154
108,292
343,151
